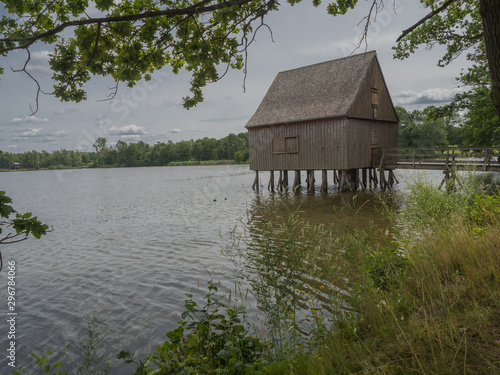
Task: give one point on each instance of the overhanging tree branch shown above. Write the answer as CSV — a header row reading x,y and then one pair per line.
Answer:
x,y
194,9
423,20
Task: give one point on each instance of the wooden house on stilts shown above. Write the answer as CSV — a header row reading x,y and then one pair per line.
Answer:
x,y
324,117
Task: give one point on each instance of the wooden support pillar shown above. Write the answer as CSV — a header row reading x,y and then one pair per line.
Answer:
x,y
364,179
390,179
449,179
270,186
395,178
255,185
280,182
344,183
348,179
446,173
324,181
285,179
310,181
383,182
296,181
335,177
360,184
375,177
341,180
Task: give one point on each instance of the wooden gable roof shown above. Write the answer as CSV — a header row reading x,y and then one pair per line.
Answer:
x,y
337,88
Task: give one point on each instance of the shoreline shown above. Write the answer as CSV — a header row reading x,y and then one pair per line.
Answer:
x,y
171,164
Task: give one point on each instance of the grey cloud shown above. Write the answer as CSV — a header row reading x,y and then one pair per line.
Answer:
x,y
227,119
28,119
430,96
39,135
128,130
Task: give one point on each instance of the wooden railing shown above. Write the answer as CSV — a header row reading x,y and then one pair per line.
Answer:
x,y
441,158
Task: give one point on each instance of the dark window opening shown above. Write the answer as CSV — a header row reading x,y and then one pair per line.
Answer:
x,y
286,145
374,102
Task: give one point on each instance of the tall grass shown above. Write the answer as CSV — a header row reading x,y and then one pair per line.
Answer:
x,y
430,302
423,300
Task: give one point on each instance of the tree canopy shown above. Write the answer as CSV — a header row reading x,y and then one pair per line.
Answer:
x,y
128,40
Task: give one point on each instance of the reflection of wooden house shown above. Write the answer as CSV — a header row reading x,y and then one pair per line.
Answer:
x,y
326,116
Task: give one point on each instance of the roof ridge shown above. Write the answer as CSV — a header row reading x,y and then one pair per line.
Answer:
x,y
372,52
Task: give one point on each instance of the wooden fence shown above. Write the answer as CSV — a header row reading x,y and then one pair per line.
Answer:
x,y
437,158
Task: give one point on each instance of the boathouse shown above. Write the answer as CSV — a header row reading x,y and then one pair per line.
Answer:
x,y
327,117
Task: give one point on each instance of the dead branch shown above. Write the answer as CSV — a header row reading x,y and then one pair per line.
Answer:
x,y
39,89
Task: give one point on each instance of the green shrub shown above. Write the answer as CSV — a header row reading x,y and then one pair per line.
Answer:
x,y
208,340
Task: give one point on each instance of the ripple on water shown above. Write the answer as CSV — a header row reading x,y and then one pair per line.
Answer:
x,y
132,241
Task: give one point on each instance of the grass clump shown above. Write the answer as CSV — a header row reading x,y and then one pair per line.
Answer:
x,y
428,303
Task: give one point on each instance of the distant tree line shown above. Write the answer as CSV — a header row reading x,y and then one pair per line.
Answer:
x,y
134,154
470,120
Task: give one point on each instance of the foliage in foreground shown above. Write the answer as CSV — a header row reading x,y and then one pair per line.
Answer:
x,y
425,300
208,339
22,225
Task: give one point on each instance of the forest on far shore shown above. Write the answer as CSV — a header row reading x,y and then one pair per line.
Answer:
x,y
134,154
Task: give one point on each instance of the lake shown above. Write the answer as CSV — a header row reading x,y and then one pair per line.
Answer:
x,y
133,241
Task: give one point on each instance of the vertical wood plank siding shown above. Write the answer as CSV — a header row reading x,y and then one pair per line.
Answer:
x,y
342,143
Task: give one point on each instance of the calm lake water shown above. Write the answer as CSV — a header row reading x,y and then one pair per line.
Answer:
x,y
133,241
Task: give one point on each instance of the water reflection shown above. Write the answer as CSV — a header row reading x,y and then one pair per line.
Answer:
x,y
292,253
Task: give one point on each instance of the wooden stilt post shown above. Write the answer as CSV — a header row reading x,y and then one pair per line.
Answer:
x,y
375,180
395,178
390,179
310,184
335,177
364,182
446,176
382,179
324,181
342,180
285,179
255,185
360,184
280,182
270,186
296,181
449,179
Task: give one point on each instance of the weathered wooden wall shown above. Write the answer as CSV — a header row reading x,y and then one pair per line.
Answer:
x,y
340,143
362,105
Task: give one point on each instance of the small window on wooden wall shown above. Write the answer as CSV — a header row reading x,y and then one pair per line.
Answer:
x,y
286,145
374,102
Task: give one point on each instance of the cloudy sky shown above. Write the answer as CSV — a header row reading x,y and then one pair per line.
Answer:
x,y
152,111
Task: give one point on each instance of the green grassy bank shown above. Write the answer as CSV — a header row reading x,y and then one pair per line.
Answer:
x,y
419,297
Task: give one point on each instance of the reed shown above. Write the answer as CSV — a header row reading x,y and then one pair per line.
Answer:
x,y
429,303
